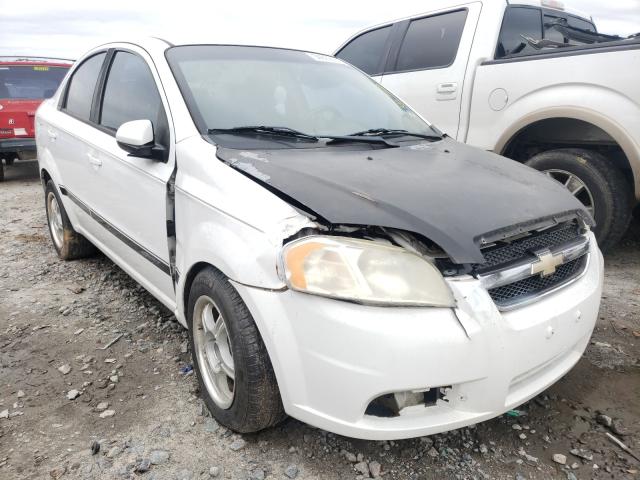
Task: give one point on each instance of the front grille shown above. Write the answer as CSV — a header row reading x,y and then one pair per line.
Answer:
x,y
517,292
522,247
512,259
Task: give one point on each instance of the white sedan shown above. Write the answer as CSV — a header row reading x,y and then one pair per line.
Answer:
x,y
334,256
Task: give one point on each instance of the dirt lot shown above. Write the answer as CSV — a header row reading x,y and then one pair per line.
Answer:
x,y
137,406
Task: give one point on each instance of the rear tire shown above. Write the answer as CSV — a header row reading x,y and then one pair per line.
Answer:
x,y
69,244
254,403
604,185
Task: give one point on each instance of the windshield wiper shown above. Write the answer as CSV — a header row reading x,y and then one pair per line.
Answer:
x,y
358,138
261,129
392,131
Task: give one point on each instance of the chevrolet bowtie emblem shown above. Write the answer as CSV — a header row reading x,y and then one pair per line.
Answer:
x,y
547,263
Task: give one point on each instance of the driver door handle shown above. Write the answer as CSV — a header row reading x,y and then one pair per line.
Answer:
x,y
93,160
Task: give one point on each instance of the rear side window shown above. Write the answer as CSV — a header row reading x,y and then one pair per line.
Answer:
x,y
130,93
367,51
82,86
431,42
553,33
519,22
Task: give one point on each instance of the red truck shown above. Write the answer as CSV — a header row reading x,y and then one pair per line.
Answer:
x,y
24,83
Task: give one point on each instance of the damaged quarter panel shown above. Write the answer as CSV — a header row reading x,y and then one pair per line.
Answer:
x,y
457,196
240,238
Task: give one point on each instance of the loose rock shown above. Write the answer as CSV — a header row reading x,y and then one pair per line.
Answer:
x,y
291,471
73,394
107,413
238,444
158,457
375,469
559,458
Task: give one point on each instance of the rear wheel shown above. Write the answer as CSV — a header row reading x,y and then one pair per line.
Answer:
x,y
230,359
597,184
68,243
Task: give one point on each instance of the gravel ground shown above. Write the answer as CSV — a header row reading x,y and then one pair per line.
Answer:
x,y
69,408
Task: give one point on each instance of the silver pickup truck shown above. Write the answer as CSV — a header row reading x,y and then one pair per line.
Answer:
x,y
528,79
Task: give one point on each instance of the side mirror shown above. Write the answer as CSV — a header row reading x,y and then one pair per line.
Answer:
x,y
136,137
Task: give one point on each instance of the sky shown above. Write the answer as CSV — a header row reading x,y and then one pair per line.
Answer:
x,y
68,29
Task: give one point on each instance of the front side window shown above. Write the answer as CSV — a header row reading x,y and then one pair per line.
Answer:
x,y
30,82
130,93
519,22
82,86
367,51
227,87
431,42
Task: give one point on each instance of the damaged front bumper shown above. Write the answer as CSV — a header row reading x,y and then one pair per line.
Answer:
x,y
333,359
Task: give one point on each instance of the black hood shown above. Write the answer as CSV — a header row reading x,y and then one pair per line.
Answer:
x,y
457,196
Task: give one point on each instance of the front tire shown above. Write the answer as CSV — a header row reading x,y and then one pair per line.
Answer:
x,y
230,359
598,184
69,244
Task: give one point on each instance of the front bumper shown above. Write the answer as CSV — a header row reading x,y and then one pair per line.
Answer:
x,y
18,145
333,358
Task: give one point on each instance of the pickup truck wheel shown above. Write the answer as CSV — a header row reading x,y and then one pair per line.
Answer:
x,y
1,171
601,188
230,359
69,244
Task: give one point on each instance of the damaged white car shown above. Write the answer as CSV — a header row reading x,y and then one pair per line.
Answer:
x,y
334,257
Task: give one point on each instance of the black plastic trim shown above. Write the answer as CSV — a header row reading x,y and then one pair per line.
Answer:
x,y
566,52
123,237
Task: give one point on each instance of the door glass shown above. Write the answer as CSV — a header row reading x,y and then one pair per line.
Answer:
x,y
552,33
519,21
431,42
366,51
82,85
131,94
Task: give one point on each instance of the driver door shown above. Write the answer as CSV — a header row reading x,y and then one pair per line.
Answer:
x,y
129,194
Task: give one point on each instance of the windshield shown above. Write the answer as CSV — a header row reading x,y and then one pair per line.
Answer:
x,y
30,82
226,87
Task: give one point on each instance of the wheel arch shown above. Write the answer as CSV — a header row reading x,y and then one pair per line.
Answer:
x,y
561,128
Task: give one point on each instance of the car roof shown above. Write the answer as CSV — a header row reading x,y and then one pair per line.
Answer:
x,y
155,45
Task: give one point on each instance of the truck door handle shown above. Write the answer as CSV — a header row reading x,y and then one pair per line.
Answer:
x,y
93,160
449,87
52,135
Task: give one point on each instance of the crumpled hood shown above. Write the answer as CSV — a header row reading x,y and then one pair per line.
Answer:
x,y
457,196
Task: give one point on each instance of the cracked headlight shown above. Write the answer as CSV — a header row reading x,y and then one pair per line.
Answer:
x,y
363,271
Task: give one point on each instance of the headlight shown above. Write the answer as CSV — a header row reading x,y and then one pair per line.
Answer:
x,y
363,271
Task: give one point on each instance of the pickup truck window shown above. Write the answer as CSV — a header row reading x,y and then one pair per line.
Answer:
x,y
519,21
367,51
131,94
82,86
554,34
431,42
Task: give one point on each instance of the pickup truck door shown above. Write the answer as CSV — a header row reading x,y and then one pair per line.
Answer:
x,y
427,63
127,195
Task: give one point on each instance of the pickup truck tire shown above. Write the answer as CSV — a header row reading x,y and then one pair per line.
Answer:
x,y
1,171
251,400
69,244
609,191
